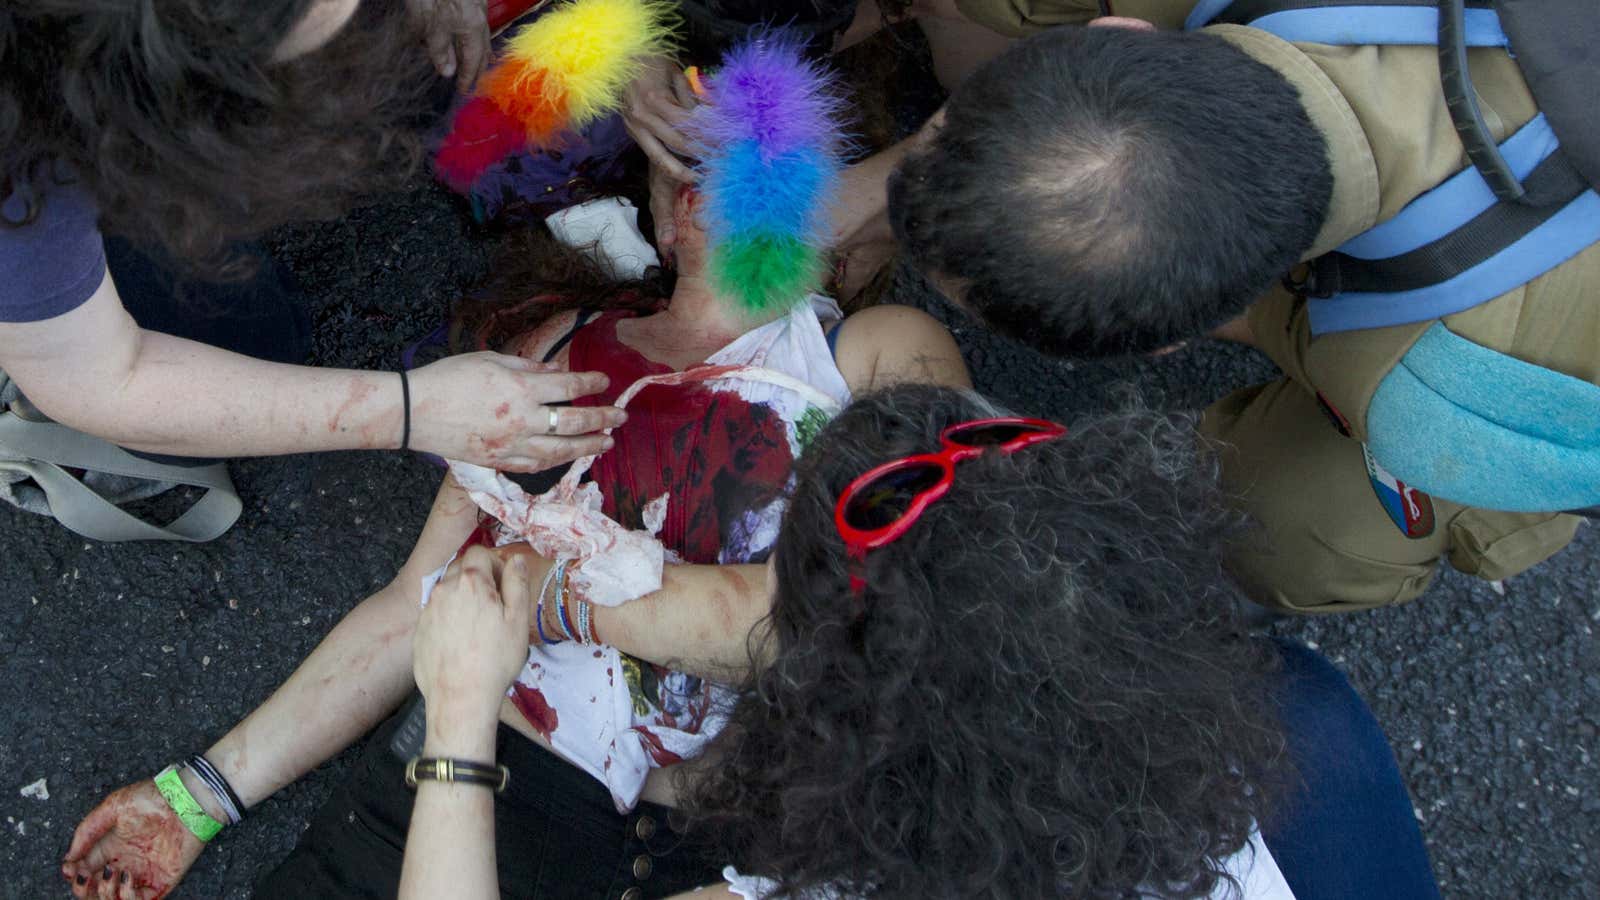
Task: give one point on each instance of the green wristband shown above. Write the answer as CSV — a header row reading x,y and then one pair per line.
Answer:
x,y
190,812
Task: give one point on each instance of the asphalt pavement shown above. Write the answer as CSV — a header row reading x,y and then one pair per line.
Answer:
x,y
118,659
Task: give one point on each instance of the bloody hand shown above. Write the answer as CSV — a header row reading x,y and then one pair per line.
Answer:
x,y
131,847
458,37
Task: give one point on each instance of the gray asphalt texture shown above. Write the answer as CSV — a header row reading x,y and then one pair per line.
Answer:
x,y
118,659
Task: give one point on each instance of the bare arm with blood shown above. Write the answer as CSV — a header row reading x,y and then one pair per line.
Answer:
x,y
354,678
162,394
469,646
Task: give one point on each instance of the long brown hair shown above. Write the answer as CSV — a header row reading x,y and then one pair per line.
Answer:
x,y
177,119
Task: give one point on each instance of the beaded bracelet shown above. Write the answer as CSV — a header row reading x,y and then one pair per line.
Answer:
x,y
562,616
585,624
586,633
538,611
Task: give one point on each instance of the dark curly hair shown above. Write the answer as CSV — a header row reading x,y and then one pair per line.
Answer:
x,y
1045,691
175,116
1102,191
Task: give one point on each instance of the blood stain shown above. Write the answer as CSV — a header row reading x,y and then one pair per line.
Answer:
x,y
538,711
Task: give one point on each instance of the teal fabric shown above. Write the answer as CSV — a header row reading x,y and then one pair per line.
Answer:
x,y
1469,424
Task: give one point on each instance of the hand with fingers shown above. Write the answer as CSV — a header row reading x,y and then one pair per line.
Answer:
x,y
131,847
663,190
472,640
457,32
654,107
502,412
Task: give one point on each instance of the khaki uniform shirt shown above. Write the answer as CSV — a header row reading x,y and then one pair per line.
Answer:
x,y
1390,139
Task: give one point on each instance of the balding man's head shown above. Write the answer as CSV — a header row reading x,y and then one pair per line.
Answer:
x,y
1101,191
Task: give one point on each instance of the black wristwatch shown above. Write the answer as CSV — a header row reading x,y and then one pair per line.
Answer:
x,y
457,771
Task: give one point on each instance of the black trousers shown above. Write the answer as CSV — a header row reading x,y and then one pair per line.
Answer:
x,y
557,835
262,316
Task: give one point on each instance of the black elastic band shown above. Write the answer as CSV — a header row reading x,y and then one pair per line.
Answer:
x,y
405,399
1480,238
578,322
218,784
1462,101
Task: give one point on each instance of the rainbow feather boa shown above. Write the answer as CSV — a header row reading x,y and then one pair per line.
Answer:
x,y
770,154
558,73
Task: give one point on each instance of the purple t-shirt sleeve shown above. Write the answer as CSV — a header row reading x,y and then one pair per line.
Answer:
x,y
51,265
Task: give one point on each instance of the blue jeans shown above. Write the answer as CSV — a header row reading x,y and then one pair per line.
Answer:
x,y
1346,828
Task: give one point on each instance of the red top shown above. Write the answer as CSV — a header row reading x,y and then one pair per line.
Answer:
x,y
716,453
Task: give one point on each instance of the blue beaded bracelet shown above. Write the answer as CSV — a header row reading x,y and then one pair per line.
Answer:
x,y
561,601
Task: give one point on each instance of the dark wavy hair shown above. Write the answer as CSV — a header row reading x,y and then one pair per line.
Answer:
x,y
186,131
1103,191
1045,691
533,278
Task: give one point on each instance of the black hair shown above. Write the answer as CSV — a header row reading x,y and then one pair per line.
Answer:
x,y
1100,191
710,26
187,132
1045,690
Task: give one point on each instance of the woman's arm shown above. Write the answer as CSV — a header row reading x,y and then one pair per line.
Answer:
x,y
450,844
471,642
699,622
701,619
354,678
96,370
359,672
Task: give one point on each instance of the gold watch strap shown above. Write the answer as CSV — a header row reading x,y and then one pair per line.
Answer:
x,y
457,771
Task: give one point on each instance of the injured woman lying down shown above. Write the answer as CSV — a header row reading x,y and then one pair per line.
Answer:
x,y
1038,688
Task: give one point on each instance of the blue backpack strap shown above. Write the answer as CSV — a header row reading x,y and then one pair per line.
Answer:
x,y
1463,197
1519,211
1463,422
1350,22
1457,246
1451,26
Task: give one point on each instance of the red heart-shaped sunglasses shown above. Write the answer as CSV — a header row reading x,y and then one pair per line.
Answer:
x,y
882,504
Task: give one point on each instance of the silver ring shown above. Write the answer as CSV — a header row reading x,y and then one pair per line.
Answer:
x,y
553,419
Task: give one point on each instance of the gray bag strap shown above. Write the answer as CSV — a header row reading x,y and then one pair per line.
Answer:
x,y
41,449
